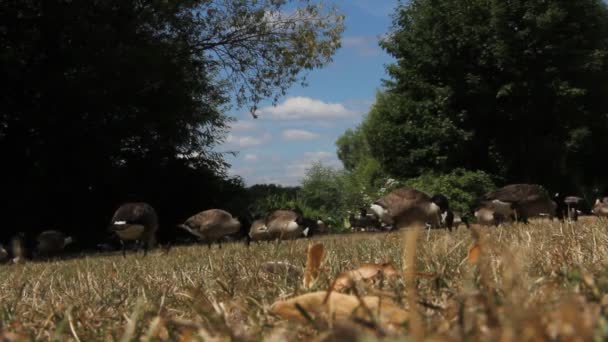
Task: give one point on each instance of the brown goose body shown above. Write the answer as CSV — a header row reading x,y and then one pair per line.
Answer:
x,y
283,224
135,221
259,231
211,225
600,208
523,200
406,207
3,254
52,242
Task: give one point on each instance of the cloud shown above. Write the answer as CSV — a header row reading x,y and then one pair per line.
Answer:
x,y
241,126
299,135
251,157
247,140
297,168
299,107
365,46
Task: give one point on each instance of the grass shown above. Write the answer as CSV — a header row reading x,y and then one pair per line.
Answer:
x,y
545,280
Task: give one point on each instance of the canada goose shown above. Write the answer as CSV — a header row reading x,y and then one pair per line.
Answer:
x,y
520,200
458,219
135,221
572,204
18,248
600,208
488,216
212,225
3,254
288,224
259,231
405,207
51,242
322,227
365,221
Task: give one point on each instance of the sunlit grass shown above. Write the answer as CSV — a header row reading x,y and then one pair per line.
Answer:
x,y
542,280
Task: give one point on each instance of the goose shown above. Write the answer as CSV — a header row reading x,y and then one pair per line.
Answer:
x,y
135,221
459,219
18,248
365,221
259,231
572,204
212,225
522,201
52,242
406,207
288,224
600,208
3,254
488,216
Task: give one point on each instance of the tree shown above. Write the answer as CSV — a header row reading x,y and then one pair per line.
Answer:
x,y
352,147
513,88
107,100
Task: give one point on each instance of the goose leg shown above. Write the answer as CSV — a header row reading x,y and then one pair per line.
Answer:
x,y
124,249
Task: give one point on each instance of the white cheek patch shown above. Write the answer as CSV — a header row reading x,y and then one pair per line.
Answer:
x,y
120,223
305,231
378,210
319,222
443,216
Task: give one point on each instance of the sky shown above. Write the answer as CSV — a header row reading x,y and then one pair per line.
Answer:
x,y
285,140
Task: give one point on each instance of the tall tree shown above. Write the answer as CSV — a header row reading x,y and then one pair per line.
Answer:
x,y
516,88
107,98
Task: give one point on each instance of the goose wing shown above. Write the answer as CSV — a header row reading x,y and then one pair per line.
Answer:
x,y
403,198
134,213
517,193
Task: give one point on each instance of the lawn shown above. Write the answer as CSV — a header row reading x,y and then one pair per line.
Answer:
x,y
544,280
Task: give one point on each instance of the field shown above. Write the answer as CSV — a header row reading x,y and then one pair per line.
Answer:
x,y
545,280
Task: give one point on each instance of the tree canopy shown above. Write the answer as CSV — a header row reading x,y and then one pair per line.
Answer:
x,y
111,100
513,88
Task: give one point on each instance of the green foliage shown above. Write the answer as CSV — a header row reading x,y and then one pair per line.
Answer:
x,y
322,188
322,194
408,138
462,187
116,100
352,148
265,197
515,89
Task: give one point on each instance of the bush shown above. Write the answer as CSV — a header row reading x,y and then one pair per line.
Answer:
x,y
462,187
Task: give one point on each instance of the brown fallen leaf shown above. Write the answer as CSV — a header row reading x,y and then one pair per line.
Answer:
x,y
340,307
474,253
366,272
316,253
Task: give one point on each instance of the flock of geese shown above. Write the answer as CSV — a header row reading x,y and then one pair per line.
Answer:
x,y
401,208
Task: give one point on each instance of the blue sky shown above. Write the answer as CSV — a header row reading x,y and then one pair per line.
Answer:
x,y
285,140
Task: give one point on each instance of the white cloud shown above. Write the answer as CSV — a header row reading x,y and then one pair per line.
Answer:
x,y
299,134
318,156
251,157
299,107
240,126
365,46
247,140
297,168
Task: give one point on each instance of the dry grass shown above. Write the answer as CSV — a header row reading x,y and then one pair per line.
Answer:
x,y
540,281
